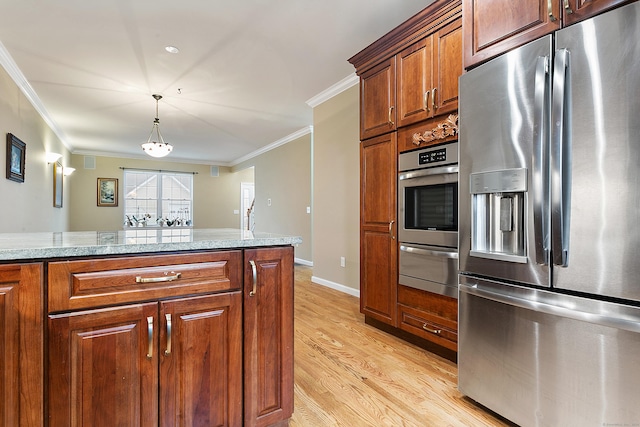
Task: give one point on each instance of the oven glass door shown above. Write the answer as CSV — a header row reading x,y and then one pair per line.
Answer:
x,y
429,206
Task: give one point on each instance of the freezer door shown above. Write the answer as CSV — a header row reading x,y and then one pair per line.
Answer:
x,y
546,360
595,155
504,134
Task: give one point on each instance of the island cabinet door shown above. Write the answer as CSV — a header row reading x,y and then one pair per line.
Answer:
x,y
103,367
21,341
268,336
201,361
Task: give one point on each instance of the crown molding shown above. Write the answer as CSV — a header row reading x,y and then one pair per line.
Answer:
x,y
298,134
21,81
334,90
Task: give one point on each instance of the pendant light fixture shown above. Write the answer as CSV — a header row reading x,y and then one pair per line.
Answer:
x,y
157,147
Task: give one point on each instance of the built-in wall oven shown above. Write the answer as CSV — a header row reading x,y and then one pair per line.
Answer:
x,y
428,219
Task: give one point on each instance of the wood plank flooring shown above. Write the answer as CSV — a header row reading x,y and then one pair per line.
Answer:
x,y
351,374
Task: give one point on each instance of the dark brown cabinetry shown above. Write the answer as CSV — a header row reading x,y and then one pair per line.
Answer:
x,y
268,336
378,245
378,98
21,345
495,26
172,340
409,90
428,73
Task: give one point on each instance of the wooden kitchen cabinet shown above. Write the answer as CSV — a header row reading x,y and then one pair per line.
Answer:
x,y
378,244
492,27
135,341
427,75
21,345
429,316
121,357
268,336
378,100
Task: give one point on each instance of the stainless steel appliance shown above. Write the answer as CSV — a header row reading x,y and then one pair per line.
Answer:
x,y
549,292
428,219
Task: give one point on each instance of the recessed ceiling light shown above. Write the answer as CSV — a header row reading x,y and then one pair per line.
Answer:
x,y
172,49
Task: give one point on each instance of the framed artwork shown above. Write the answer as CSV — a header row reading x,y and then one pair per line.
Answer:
x,y
107,192
16,154
57,185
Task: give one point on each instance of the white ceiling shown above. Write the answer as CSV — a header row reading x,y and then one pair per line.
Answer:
x,y
240,82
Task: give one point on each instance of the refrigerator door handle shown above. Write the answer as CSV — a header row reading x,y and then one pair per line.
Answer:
x,y
540,176
560,159
556,310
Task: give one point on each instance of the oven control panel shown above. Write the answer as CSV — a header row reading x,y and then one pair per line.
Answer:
x,y
427,157
445,154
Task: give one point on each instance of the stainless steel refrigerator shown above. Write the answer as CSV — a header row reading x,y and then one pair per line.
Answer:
x,y
549,284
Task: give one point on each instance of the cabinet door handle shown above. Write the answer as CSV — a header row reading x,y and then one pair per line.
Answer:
x,y
150,337
168,349
433,99
254,273
390,116
175,276
391,230
426,100
433,331
550,10
567,8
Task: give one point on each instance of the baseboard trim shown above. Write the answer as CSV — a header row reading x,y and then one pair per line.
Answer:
x,y
303,262
336,286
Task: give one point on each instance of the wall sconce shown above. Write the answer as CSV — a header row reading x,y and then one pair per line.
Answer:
x,y
52,157
66,171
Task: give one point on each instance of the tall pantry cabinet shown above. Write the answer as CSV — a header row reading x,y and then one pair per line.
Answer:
x,y
408,84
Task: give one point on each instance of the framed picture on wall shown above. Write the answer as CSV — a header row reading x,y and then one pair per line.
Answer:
x,y
57,185
108,192
16,155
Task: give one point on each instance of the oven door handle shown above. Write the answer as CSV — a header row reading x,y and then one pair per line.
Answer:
x,y
429,172
429,252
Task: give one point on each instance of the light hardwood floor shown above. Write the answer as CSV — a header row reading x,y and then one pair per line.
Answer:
x,y
351,374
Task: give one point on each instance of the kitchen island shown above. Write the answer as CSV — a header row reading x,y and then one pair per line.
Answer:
x,y
146,327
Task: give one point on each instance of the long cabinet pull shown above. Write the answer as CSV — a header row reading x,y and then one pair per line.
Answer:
x,y
390,116
433,331
426,100
167,351
433,98
150,337
254,273
567,8
550,10
174,276
391,229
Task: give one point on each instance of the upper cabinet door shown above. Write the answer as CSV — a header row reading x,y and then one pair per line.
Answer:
x,y
378,99
578,10
447,69
415,82
492,27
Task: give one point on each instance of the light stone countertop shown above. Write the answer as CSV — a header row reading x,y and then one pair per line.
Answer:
x,y
45,245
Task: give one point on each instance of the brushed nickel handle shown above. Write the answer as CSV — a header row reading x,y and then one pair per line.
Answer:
x,y
567,8
391,230
167,351
550,10
390,117
426,100
433,99
150,337
175,276
433,331
254,273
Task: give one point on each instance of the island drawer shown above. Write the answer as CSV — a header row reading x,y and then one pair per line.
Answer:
x,y
101,282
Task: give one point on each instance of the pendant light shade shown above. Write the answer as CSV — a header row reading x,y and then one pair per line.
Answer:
x,y
155,145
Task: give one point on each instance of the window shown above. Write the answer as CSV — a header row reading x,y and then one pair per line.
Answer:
x,y
156,198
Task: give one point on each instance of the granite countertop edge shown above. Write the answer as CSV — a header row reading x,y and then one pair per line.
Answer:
x,y
37,246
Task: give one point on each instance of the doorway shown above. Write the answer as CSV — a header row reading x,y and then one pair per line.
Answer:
x,y
247,203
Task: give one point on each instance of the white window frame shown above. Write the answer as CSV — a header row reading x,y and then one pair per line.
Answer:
x,y
181,217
